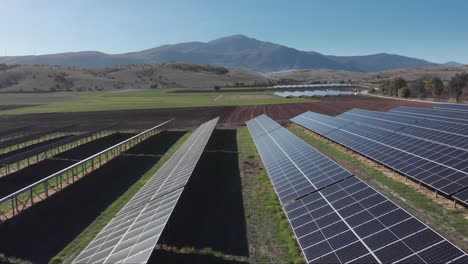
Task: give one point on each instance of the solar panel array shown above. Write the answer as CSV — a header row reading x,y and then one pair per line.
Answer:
x,y
344,221
312,85
292,178
313,93
414,129
434,113
442,167
452,107
130,237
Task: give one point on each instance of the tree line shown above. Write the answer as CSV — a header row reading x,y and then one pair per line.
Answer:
x,y
400,87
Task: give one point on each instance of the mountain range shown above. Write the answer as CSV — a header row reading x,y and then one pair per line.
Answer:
x,y
236,51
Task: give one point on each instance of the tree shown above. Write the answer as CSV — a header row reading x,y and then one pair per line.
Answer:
x,y
404,92
457,83
418,87
435,85
217,88
385,85
397,84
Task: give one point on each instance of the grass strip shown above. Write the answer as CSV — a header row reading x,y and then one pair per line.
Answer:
x,y
269,232
72,250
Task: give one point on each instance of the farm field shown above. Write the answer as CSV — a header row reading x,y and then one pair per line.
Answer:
x,y
189,117
147,99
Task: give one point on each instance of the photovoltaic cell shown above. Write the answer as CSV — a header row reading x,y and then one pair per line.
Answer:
x,y
452,107
347,221
454,116
441,167
420,132
350,222
417,121
292,164
462,196
132,234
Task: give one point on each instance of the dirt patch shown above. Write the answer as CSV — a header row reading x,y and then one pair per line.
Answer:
x,y
212,200
85,150
164,139
191,117
66,214
328,106
15,181
10,107
130,119
33,146
247,97
191,256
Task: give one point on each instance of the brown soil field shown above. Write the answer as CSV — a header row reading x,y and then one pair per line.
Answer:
x,y
329,106
190,117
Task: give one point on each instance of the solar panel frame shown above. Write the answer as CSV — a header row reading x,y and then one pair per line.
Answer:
x,y
420,132
324,223
130,237
277,147
378,229
457,117
414,166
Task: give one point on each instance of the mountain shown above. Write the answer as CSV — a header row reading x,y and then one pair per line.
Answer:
x,y
452,63
380,62
235,51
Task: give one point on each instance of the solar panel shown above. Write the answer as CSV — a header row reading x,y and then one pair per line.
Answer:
x,y
453,116
418,121
313,93
421,132
346,221
133,233
350,222
425,162
462,196
452,107
295,168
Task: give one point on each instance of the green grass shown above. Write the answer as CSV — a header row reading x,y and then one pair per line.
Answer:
x,y
453,218
264,214
147,99
72,250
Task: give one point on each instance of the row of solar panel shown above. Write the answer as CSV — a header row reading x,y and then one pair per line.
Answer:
x,y
462,107
444,115
130,237
312,85
336,217
442,167
314,93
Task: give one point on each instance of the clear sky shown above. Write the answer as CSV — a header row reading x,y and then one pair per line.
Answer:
x,y
435,30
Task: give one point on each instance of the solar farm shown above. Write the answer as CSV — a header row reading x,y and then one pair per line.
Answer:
x,y
328,182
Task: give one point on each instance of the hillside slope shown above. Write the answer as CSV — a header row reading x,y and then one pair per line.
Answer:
x,y
54,78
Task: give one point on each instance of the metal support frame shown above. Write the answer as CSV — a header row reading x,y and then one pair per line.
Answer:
x,y
16,202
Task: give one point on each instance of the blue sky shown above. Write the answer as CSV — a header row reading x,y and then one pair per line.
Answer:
x,y
428,29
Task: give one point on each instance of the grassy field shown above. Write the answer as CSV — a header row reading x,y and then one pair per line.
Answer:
x,y
449,222
271,239
72,250
147,99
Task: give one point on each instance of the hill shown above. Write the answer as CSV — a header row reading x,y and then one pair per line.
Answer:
x,y
236,51
410,74
29,78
